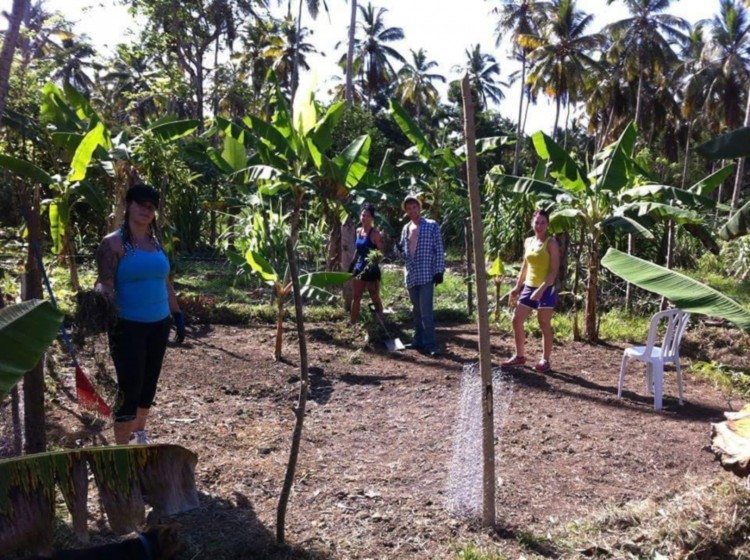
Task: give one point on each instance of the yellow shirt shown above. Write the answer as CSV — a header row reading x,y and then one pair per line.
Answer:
x,y
538,263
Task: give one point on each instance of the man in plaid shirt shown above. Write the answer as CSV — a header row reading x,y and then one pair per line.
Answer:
x,y
422,245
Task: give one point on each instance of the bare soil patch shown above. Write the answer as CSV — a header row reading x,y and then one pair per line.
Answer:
x,y
378,441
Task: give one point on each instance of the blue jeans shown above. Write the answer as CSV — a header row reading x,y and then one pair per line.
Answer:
x,y
424,322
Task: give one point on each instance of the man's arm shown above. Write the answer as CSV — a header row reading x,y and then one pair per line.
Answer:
x,y
439,250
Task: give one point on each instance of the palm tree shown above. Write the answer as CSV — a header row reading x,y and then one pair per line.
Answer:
x,y
520,18
288,49
484,74
349,87
9,47
313,8
646,38
415,87
729,66
373,56
564,55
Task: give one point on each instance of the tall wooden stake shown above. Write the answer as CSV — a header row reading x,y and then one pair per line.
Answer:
x,y
469,267
299,410
485,360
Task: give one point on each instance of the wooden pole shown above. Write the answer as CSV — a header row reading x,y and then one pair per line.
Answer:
x,y
299,410
485,360
469,267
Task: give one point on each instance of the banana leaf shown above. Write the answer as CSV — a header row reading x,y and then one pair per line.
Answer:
x,y
561,166
260,265
624,224
354,159
174,130
711,182
234,150
734,144
25,170
97,136
314,284
26,330
738,225
684,292
615,170
410,128
127,477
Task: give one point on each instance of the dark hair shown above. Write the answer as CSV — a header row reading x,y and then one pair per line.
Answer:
x,y
409,199
368,207
541,212
140,193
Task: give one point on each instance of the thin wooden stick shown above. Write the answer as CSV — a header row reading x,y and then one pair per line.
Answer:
x,y
299,410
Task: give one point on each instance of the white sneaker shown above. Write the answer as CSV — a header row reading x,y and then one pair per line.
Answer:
x,y
139,437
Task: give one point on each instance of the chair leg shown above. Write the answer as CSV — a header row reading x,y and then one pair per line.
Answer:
x,y
658,374
621,380
679,379
649,378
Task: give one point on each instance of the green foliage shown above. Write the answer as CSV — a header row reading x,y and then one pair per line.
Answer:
x,y
26,330
684,292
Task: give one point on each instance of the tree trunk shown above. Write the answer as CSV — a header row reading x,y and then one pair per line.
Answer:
x,y
519,130
295,62
468,243
592,290
299,410
33,380
638,100
348,236
526,111
576,283
280,312
740,165
71,258
9,48
557,117
199,88
567,125
485,359
349,91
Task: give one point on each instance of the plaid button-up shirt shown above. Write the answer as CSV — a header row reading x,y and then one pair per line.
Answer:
x,y
428,259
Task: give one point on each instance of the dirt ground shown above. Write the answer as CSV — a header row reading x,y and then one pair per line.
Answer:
x,y
378,440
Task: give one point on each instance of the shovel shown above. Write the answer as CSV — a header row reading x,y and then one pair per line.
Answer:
x,y
391,344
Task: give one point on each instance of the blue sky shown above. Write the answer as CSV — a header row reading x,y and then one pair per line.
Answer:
x,y
444,28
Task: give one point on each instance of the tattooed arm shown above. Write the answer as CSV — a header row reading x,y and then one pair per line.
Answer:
x,y
107,258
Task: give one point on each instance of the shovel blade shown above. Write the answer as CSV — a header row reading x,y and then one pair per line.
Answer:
x,y
394,345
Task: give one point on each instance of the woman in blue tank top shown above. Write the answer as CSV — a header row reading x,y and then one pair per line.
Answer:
x,y
366,273
133,271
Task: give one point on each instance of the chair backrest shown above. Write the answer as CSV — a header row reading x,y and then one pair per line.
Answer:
x,y
677,321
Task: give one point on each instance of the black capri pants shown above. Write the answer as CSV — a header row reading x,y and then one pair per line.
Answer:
x,y
137,351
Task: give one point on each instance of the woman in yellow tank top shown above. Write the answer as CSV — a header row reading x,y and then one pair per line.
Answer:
x,y
535,289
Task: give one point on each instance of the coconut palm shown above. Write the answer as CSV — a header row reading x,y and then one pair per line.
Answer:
x,y
313,8
521,19
645,39
9,47
484,75
349,78
729,52
564,55
372,56
287,48
415,88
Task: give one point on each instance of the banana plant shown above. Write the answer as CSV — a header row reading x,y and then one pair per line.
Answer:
x,y
496,271
734,144
126,478
435,167
313,284
26,330
585,198
684,292
291,155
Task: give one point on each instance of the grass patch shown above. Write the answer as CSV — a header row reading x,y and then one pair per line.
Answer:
x,y
731,380
471,552
618,324
708,521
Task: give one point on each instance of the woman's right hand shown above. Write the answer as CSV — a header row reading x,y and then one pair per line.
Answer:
x,y
516,291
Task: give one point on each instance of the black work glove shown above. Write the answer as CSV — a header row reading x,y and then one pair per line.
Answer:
x,y
438,278
179,326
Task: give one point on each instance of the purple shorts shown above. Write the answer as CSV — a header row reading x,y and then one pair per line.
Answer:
x,y
547,301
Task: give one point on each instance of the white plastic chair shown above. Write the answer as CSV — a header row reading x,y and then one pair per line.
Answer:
x,y
656,356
